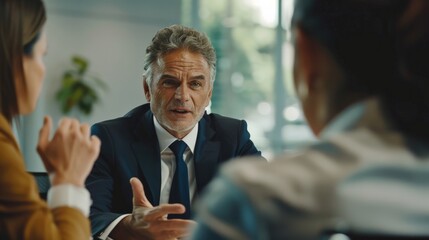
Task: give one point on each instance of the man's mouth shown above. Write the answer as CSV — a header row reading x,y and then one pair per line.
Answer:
x,y
180,111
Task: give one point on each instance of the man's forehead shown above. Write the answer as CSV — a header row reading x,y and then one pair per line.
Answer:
x,y
183,55
183,59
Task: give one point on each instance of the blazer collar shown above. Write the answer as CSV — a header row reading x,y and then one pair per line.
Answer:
x,y
146,150
206,153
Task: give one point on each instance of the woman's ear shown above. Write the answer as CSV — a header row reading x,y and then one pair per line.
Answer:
x,y
317,78
306,60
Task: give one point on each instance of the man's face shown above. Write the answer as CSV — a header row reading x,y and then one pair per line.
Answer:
x,y
180,91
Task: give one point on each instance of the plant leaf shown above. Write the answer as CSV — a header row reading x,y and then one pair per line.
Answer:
x,y
80,63
78,89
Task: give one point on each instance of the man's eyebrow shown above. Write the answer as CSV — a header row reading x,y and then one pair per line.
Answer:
x,y
168,76
198,77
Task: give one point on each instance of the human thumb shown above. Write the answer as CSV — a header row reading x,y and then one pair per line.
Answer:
x,y
43,142
139,197
44,133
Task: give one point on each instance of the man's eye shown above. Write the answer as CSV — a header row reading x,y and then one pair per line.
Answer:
x,y
169,83
196,84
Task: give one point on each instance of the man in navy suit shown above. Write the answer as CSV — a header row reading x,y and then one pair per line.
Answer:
x,y
134,180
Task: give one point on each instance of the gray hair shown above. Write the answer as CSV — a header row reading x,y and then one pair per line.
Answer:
x,y
178,37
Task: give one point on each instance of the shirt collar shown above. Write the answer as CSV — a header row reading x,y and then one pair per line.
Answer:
x,y
345,120
165,139
367,113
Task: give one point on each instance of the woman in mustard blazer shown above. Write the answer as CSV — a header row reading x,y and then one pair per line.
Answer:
x,y
68,156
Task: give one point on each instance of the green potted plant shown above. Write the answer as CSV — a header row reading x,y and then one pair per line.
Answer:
x,y
79,90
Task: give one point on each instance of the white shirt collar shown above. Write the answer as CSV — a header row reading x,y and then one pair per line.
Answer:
x,y
364,113
165,138
344,120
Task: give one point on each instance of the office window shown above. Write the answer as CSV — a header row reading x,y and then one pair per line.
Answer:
x,y
254,68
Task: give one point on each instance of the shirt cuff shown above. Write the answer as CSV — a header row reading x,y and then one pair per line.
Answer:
x,y
105,235
69,195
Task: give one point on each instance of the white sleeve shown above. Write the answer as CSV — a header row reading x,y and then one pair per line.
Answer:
x,y
105,235
70,196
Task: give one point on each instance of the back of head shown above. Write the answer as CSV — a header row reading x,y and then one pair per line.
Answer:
x,y
178,37
20,24
382,47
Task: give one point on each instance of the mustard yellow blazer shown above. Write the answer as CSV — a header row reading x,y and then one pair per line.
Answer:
x,y
23,214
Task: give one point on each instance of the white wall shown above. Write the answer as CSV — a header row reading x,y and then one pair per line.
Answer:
x,y
113,36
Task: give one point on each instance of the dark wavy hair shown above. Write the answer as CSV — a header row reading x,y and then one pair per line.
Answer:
x,y
383,48
21,22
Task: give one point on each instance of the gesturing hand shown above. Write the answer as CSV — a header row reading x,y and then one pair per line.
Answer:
x,y
71,153
148,222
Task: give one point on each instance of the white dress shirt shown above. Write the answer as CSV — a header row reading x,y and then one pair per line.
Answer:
x,y
168,167
70,196
168,161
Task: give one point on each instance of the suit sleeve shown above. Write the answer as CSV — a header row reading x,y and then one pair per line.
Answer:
x,y
100,183
246,147
23,215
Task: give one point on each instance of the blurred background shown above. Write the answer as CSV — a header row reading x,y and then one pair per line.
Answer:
x,y
108,38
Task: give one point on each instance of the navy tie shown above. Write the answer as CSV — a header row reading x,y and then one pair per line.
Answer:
x,y
179,192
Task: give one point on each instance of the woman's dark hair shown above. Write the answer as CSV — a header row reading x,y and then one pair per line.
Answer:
x,y
383,48
21,22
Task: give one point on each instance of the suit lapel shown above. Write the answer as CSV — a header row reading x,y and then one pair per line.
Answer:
x,y
147,153
206,154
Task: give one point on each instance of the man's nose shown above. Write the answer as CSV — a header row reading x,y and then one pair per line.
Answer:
x,y
182,92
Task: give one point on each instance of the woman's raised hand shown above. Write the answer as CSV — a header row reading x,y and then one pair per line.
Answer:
x,y
70,154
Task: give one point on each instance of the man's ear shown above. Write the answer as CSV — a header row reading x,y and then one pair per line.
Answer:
x,y
209,95
211,92
146,89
